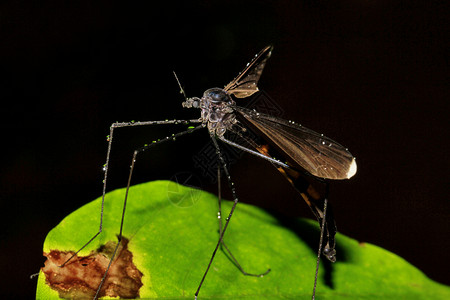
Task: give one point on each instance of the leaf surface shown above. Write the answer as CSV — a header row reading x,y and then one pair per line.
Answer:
x,y
173,229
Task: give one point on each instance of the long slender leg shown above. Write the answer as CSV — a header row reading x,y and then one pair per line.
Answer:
x,y
219,197
223,245
306,190
314,201
106,165
325,216
322,228
133,162
235,199
323,212
263,156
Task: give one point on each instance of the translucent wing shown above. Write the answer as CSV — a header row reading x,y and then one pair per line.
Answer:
x,y
245,84
315,153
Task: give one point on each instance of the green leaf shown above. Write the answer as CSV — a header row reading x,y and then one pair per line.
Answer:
x,y
173,229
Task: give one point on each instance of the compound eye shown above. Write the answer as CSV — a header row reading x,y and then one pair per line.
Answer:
x,y
217,95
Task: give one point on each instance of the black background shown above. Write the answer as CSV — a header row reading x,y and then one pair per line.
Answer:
x,y
370,74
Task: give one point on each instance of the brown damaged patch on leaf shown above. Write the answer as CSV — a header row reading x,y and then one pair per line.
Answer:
x,y
81,276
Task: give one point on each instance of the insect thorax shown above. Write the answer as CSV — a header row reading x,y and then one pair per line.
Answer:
x,y
216,110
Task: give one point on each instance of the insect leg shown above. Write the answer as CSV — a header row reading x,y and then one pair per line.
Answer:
x,y
314,200
319,251
106,165
133,162
105,169
324,213
235,199
223,245
263,156
317,203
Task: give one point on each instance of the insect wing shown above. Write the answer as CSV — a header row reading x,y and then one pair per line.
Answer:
x,y
315,153
246,83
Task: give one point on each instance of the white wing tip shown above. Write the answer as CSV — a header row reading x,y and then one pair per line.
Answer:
x,y
352,169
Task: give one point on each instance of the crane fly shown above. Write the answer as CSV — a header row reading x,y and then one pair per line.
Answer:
x,y
305,154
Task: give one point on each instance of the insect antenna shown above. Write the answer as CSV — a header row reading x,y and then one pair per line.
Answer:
x,y
181,88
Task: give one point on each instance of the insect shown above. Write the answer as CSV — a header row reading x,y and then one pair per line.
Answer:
x,y
306,155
